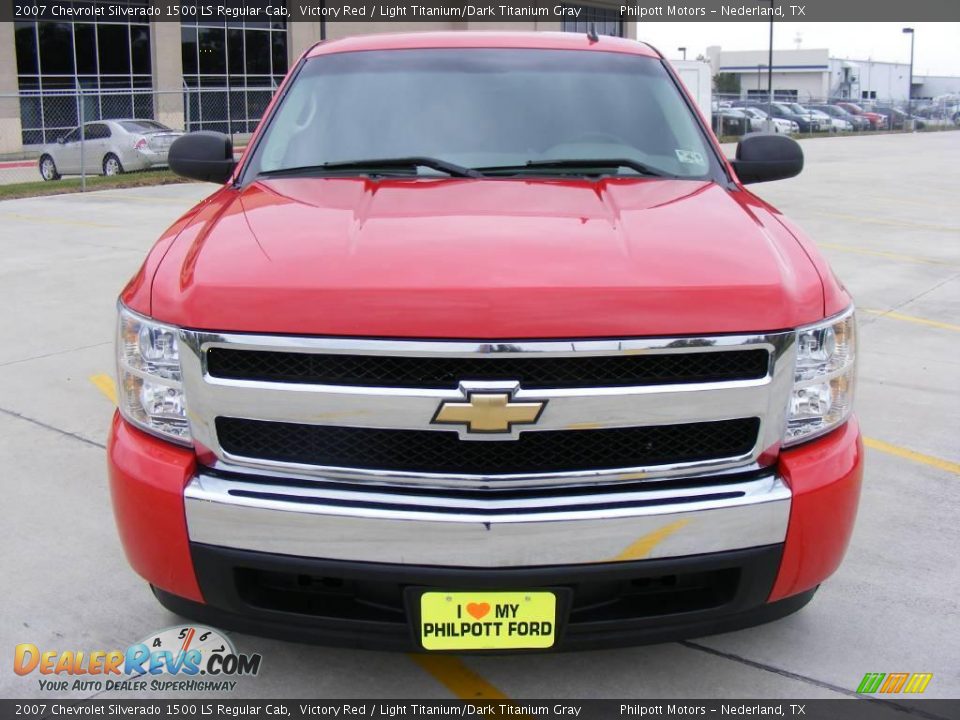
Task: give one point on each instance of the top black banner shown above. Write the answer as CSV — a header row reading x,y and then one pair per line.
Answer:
x,y
218,11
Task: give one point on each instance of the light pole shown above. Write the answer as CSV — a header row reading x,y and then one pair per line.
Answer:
x,y
684,51
770,75
909,31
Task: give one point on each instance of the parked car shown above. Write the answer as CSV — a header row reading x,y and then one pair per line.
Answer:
x,y
876,120
834,124
434,384
835,111
759,118
817,123
783,111
897,118
110,147
730,121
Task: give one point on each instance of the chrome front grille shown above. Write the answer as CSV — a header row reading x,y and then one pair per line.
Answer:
x,y
362,410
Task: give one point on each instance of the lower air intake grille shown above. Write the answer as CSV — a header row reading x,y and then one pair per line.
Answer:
x,y
431,451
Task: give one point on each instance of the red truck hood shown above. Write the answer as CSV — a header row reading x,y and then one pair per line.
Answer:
x,y
450,258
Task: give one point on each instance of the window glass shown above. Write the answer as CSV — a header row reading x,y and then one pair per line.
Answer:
x,y
140,49
96,131
188,49
143,126
485,108
25,35
56,48
108,59
85,47
211,44
237,65
258,52
279,49
113,42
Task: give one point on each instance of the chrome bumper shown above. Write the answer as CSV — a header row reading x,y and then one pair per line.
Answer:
x,y
337,522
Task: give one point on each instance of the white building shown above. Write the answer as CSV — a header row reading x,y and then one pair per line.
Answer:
x,y
932,86
812,74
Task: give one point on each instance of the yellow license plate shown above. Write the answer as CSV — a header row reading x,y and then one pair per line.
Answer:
x,y
487,620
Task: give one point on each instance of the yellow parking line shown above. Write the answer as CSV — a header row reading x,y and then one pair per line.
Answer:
x,y
105,384
56,221
907,454
912,318
139,198
641,548
889,221
884,254
909,201
456,677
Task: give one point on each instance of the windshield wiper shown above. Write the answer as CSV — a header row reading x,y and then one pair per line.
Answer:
x,y
577,164
371,166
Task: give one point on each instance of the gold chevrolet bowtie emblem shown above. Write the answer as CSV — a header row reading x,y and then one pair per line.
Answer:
x,y
489,412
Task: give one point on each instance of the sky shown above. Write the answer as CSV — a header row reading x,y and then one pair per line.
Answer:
x,y
936,50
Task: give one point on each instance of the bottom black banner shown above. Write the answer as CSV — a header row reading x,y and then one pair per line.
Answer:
x,y
852,709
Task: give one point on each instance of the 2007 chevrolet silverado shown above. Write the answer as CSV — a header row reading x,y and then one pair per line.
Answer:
x,y
483,345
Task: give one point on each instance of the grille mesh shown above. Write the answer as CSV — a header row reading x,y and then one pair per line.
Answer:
x,y
620,370
444,452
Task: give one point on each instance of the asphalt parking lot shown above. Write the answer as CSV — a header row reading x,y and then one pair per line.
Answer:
x,y
885,211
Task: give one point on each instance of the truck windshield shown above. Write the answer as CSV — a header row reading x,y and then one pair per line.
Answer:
x,y
505,111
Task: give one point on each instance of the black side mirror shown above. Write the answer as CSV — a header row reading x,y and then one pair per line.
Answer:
x,y
204,155
762,157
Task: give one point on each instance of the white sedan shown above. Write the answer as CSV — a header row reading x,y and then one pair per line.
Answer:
x,y
108,147
759,118
834,123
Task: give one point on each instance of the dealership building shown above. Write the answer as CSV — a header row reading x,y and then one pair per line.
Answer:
x,y
195,74
813,74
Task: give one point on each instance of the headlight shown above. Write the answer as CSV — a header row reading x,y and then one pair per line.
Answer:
x,y
824,378
148,369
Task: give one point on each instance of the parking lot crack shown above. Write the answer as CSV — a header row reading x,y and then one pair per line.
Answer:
x,y
55,352
40,423
929,290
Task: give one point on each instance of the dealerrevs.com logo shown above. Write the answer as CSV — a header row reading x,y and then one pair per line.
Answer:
x,y
181,658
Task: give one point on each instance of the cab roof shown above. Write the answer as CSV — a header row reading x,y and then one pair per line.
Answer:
x,y
462,39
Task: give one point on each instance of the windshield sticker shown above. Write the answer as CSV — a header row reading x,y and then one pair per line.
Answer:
x,y
691,157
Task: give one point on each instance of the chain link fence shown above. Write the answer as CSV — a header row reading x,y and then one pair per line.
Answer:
x,y
48,135
737,114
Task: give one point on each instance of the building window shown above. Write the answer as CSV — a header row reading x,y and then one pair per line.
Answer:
x,y
231,70
606,20
110,61
868,94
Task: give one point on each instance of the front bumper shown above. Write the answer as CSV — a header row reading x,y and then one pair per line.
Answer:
x,y
516,529
745,541
375,606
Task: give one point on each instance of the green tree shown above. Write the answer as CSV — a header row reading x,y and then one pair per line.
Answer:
x,y
726,83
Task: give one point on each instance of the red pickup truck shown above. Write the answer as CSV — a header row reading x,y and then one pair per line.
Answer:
x,y
876,120
484,345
